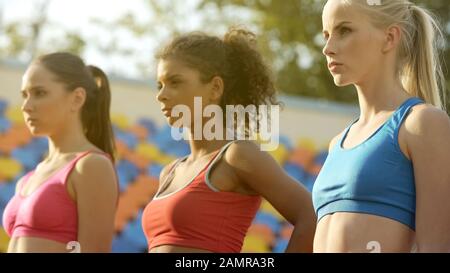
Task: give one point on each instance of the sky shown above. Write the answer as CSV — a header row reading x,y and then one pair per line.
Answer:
x,y
77,16
71,13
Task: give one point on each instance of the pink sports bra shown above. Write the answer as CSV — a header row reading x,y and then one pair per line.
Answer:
x,y
48,212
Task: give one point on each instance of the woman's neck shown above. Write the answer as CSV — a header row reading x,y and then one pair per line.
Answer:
x,y
379,95
202,147
68,140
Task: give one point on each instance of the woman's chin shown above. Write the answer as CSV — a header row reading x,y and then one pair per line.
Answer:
x,y
341,81
175,122
34,131
37,133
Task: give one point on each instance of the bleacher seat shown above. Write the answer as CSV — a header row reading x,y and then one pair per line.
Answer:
x,y
269,220
15,115
133,233
29,158
4,239
9,168
151,126
7,191
126,172
39,145
3,107
5,125
128,138
287,143
154,170
280,245
255,244
121,244
297,172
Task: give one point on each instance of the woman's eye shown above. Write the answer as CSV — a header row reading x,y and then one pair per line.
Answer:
x,y
40,93
345,30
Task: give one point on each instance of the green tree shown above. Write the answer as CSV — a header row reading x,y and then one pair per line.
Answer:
x,y
292,29
23,39
165,19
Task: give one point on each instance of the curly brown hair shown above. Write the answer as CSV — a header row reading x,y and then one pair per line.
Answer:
x,y
235,58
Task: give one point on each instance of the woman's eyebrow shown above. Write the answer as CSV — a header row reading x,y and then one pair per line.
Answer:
x,y
339,25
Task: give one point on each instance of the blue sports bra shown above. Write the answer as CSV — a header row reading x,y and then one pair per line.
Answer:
x,y
374,177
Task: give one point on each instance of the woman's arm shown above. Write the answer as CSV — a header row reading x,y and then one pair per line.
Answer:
x,y
261,172
428,144
96,191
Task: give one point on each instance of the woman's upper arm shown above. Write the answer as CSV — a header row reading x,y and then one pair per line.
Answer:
x,y
96,191
428,142
261,172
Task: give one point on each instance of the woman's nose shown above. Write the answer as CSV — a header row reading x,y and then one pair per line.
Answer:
x,y
328,49
162,94
27,105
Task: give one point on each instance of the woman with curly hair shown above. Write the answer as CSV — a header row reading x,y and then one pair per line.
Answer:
x,y
207,200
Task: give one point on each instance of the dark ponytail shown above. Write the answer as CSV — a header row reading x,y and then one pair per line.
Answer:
x,y
95,117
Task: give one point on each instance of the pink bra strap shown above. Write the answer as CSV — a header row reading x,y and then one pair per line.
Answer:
x,y
25,180
74,161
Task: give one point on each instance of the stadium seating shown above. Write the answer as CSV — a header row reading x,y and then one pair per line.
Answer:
x,y
143,150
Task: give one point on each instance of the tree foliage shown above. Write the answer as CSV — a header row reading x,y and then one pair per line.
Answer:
x,y
293,29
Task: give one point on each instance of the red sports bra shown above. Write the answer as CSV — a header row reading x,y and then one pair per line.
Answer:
x,y
200,216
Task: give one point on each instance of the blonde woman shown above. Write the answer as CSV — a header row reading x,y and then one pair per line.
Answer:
x,y
385,184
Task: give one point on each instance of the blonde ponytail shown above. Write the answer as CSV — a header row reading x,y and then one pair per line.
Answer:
x,y
419,63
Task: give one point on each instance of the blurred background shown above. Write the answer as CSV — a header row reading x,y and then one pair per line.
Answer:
x,y
121,37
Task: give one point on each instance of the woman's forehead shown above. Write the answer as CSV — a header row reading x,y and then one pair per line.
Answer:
x,y
168,68
37,74
337,11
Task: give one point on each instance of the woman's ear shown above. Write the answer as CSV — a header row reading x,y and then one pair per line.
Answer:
x,y
78,99
217,86
393,34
